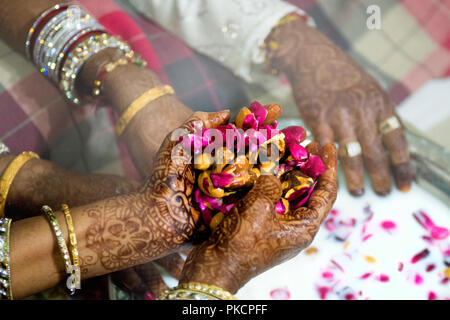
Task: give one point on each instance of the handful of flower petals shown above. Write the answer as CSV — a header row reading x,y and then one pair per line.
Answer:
x,y
229,159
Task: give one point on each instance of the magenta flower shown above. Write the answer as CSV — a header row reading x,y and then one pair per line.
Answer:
x,y
294,134
221,179
314,167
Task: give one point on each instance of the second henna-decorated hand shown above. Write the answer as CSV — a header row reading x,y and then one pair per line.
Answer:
x,y
340,102
253,238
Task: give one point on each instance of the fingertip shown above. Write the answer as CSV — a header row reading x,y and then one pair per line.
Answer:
x,y
402,176
274,111
313,148
218,118
268,186
357,193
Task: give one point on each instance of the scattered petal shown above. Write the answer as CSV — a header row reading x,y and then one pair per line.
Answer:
x,y
447,272
418,280
430,267
323,292
280,294
383,278
432,295
366,275
388,225
421,255
149,296
370,259
311,250
400,266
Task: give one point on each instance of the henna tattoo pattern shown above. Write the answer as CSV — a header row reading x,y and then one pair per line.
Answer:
x,y
152,223
252,237
340,102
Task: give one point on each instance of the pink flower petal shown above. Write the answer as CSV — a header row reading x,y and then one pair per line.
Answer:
x,y
366,237
419,256
280,208
439,233
314,167
383,278
221,179
294,134
250,122
259,111
432,295
430,267
335,212
327,275
280,294
388,225
366,275
297,151
323,292
418,280
330,224
400,266
149,296
337,265
300,202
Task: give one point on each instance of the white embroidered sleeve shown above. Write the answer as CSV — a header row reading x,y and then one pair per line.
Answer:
x,y
229,31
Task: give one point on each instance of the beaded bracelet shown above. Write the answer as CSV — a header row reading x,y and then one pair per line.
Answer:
x,y
5,267
111,66
80,54
9,175
196,291
48,212
138,104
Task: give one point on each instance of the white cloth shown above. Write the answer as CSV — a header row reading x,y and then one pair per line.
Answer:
x,y
231,32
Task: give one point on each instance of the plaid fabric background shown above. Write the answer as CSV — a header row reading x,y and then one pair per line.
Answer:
x,y
412,47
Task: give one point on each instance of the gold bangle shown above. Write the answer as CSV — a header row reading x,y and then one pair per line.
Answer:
x,y
5,267
139,103
72,235
196,291
9,175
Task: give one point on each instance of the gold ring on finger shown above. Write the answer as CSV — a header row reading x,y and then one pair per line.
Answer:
x,y
390,124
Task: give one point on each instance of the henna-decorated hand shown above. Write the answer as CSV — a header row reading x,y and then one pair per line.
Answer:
x,y
171,184
253,238
146,278
340,102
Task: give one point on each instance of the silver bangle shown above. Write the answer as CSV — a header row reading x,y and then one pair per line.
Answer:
x,y
58,35
4,149
5,267
32,30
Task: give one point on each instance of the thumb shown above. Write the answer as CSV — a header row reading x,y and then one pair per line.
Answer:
x,y
267,190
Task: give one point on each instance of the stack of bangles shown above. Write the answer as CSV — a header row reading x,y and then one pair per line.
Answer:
x,y
63,38
5,223
71,265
